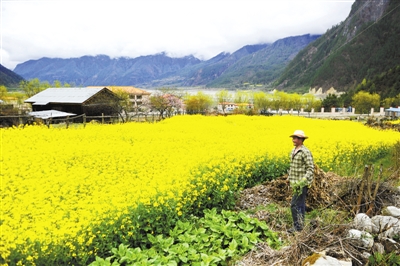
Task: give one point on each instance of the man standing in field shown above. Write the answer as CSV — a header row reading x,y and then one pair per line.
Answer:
x,y
301,175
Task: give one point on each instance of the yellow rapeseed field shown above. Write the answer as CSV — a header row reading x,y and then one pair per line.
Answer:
x,y
56,181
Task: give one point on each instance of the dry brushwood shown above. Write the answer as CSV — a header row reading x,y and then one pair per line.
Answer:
x,y
331,240
278,191
328,191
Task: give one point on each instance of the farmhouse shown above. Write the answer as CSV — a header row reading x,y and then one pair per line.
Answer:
x,y
229,106
89,101
136,96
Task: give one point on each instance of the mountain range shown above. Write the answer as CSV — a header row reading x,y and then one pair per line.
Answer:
x,y
364,46
251,63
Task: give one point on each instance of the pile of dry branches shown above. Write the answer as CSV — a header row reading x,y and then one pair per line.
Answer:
x,y
347,195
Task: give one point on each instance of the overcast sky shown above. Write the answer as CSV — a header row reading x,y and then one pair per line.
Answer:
x,y
33,29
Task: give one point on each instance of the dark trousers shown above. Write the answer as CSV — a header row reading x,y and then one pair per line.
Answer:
x,y
298,208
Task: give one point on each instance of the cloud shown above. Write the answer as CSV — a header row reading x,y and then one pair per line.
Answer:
x,y
204,28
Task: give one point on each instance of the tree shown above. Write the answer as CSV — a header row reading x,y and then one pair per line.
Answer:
x,y
281,100
57,84
261,101
166,101
330,101
296,102
364,101
159,102
309,102
124,106
276,101
33,86
242,99
391,101
3,92
197,103
175,103
223,98
346,98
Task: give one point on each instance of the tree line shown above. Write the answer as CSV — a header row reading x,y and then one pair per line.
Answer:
x,y
168,101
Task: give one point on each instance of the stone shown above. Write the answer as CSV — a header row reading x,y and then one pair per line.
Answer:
x,y
362,222
392,232
319,259
378,248
391,211
361,238
365,255
384,223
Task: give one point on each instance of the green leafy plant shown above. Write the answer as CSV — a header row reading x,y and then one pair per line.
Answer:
x,y
297,187
383,259
211,240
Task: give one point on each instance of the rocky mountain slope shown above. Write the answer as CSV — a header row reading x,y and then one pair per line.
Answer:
x,y
362,46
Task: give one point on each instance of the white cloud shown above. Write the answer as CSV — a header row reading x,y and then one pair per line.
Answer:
x,y
204,28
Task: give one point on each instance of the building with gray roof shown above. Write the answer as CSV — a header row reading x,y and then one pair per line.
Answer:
x,y
89,101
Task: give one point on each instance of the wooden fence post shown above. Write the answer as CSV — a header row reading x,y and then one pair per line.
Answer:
x,y
102,118
67,122
84,120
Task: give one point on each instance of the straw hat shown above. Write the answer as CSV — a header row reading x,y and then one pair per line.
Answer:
x,y
299,133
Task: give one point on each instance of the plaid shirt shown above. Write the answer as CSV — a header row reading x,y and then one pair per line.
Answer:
x,y
301,165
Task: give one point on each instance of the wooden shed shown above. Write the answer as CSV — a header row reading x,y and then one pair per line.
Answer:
x,y
136,95
89,101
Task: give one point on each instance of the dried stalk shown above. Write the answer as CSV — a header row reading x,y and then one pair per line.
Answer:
x,y
372,202
356,208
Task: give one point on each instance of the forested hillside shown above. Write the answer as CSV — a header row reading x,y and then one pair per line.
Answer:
x,y
8,78
386,84
366,44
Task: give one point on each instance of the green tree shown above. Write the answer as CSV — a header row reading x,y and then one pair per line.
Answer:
x,y
242,99
286,100
364,101
3,92
330,101
223,98
309,102
391,101
198,103
276,102
33,86
159,102
296,102
261,101
58,84
124,106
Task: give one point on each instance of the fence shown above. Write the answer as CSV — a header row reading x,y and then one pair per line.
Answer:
x,y
18,120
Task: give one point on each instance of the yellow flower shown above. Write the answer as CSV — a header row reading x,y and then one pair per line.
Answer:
x,y
83,176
